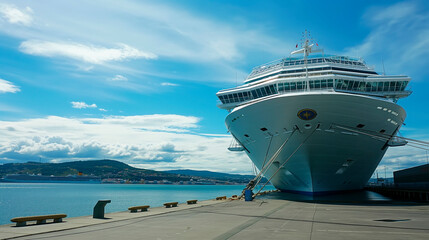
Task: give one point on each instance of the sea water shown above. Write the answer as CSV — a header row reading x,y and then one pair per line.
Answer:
x,y
30,199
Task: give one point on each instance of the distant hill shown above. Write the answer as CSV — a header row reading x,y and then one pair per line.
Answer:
x,y
119,170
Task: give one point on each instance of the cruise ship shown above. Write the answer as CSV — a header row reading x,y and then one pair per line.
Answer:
x,y
315,123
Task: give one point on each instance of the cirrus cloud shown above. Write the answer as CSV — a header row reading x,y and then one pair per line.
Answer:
x,y
169,84
119,78
16,16
81,105
85,53
400,35
8,87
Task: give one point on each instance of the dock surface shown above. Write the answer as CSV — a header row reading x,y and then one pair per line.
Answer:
x,y
259,219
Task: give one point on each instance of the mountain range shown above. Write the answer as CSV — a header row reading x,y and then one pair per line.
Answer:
x,y
111,169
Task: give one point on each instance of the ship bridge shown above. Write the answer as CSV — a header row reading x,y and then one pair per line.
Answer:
x,y
316,73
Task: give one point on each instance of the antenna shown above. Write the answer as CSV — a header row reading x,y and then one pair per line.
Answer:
x,y
307,48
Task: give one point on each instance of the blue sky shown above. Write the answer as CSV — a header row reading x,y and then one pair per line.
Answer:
x,y
136,80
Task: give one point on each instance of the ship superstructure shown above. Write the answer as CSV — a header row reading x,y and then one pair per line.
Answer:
x,y
316,123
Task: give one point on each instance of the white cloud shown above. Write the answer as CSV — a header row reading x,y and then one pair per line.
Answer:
x,y
119,78
85,53
169,84
102,110
172,31
399,36
8,87
158,142
15,15
81,105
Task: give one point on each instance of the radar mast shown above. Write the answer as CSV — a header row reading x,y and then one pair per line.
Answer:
x,y
306,48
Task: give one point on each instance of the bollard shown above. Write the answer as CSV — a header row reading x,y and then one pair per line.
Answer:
x,y
99,209
248,195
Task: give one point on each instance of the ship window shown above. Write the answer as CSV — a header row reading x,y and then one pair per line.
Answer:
x,y
344,84
368,87
246,135
350,86
360,125
240,96
398,86
264,93
361,86
273,89
247,95
267,89
225,99
281,87
392,86
259,92
404,84
382,131
380,86
287,86
323,84
264,129
231,98
386,86
373,86
355,85
317,84
340,83
330,83
234,97
221,99
254,94
293,86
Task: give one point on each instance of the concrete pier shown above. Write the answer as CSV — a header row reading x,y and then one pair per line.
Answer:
x,y
237,219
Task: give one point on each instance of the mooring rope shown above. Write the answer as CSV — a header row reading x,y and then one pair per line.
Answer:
x,y
284,163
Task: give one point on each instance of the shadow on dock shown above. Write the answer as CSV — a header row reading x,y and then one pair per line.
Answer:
x,y
359,197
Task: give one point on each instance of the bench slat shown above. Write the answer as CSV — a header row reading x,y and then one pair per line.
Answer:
x,y
192,201
22,221
35,218
171,204
135,208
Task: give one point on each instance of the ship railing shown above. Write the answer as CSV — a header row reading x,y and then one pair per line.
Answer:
x,y
271,68
393,92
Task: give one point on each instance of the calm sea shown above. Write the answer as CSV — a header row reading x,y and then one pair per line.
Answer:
x,y
29,199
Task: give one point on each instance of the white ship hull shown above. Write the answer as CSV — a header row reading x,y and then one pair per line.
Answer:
x,y
328,158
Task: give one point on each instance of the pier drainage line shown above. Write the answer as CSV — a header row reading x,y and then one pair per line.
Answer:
x,y
284,163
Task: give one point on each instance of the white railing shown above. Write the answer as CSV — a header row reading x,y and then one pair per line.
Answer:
x,y
280,64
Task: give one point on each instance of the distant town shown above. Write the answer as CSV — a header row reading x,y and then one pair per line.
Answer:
x,y
113,172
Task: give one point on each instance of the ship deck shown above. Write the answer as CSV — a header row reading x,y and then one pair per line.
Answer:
x,y
259,219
